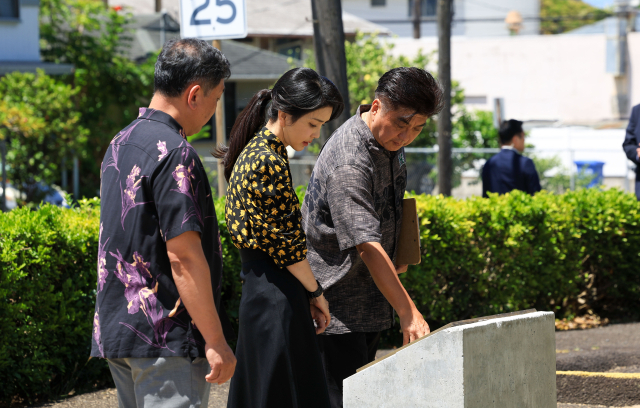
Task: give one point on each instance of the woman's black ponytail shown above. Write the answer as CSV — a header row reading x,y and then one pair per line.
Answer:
x,y
249,122
298,92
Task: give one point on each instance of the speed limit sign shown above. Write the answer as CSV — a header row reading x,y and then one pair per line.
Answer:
x,y
213,19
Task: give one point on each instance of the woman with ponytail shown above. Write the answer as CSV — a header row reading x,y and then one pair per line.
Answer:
x,y
279,362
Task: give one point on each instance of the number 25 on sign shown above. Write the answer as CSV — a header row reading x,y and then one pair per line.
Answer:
x,y
213,19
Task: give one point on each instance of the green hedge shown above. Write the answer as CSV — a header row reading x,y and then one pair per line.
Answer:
x,y
47,287
568,253
571,253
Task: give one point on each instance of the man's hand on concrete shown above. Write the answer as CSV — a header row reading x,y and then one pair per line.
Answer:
x,y
413,327
221,360
319,319
401,269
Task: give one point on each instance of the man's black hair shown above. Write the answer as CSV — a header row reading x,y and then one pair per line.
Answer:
x,y
185,61
412,88
509,129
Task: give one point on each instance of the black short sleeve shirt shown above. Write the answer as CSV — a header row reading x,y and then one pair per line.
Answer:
x,y
153,189
262,209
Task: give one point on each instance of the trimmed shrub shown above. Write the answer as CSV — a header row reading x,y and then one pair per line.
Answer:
x,y
570,253
47,287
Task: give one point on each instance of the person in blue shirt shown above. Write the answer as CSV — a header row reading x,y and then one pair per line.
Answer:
x,y
510,170
631,144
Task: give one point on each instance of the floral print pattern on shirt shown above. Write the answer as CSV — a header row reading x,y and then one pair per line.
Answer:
x,y
153,188
262,210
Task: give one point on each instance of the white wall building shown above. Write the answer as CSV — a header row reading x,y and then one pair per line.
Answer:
x,y
558,78
20,39
468,14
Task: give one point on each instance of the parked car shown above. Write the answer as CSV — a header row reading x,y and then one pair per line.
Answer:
x,y
46,194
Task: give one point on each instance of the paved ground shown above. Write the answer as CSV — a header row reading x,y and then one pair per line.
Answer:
x,y
108,399
611,349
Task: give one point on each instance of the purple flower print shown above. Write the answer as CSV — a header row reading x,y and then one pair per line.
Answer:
x,y
102,261
134,277
186,149
118,140
162,146
122,138
143,296
129,193
185,178
96,333
145,113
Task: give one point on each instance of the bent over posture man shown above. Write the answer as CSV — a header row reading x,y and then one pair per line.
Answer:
x,y
352,214
159,258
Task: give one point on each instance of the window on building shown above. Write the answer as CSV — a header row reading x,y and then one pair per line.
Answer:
x,y
289,48
427,8
9,9
378,3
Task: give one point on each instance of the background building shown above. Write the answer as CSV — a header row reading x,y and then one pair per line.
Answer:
x,y
466,12
20,39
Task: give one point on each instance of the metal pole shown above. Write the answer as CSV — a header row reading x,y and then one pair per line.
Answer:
x,y
76,178
163,28
221,133
417,14
4,176
627,187
65,182
572,180
445,165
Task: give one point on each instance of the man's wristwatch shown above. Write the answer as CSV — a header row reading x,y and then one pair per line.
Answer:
x,y
317,293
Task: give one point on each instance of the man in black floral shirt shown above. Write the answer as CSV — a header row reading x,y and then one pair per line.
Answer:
x,y
159,256
352,214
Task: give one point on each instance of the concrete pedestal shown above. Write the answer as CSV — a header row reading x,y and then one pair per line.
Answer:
x,y
505,361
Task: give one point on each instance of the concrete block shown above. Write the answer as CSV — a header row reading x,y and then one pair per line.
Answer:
x,y
502,361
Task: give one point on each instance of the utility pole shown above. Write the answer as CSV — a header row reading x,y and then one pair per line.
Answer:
x,y
3,204
328,35
417,17
221,133
445,166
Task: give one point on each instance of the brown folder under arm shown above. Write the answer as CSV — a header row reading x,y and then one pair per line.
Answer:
x,y
409,242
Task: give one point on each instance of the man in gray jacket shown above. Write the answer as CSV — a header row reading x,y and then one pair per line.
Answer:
x,y
352,214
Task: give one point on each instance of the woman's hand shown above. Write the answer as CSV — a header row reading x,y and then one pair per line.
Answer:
x,y
323,306
319,320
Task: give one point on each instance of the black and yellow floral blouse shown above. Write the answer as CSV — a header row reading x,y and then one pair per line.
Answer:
x,y
262,210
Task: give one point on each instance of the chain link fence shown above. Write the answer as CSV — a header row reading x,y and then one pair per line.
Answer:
x,y
556,168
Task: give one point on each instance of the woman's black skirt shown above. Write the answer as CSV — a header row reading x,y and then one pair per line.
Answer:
x,y
279,363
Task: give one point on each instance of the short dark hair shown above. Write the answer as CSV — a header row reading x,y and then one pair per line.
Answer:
x,y
509,129
185,61
412,88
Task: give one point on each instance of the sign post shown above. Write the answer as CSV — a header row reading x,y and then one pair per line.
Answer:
x,y
214,20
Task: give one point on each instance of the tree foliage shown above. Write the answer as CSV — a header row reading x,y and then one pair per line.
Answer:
x,y
39,120
110,86
566,15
